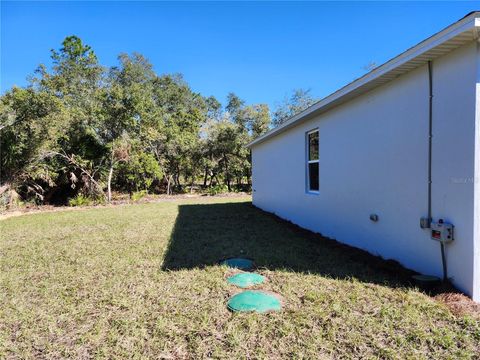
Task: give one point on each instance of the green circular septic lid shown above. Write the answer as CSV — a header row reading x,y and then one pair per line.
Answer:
x,y
245,280
239,263
257,301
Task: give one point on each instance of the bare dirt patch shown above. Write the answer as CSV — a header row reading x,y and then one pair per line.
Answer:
x,y
460,304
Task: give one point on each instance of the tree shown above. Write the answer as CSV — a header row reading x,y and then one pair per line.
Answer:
x,y
127,102
214,108
27,126
81,128
173,135
225,146
257,118
139,172
292,105
76,81
234,104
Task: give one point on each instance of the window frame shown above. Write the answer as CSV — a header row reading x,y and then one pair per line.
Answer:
x,y
308,190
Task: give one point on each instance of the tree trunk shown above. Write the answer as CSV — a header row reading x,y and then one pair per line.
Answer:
x,y
205,178
227,178
217,181
176,179
169,179
109,184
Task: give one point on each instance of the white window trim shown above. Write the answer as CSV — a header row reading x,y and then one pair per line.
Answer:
x,y
308,162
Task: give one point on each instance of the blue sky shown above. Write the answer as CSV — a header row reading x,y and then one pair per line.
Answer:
x,y
261,50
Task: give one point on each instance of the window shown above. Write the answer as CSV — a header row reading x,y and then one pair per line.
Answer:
x,y
312,161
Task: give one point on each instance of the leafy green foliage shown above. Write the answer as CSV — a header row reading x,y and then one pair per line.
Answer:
x,y
298,101
139,172
81,128
217,189
138,195
81,200
26,123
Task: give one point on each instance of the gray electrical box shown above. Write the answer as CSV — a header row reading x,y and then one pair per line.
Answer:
x,y
441,231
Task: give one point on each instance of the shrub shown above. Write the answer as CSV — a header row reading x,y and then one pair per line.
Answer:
x,y
8,199
138,173
138,195
242,188
81,200
217,189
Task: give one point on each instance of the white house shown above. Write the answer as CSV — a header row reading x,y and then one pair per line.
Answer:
x,y
372,162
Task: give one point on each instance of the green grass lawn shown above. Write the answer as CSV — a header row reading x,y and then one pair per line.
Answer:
x,y
143,281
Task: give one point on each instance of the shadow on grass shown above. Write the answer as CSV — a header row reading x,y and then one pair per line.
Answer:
x,y
206,233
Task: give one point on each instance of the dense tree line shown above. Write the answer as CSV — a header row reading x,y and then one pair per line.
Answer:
x,y
80,128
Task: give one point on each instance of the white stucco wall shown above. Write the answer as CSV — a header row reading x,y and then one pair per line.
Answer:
x,y
476,181
373,159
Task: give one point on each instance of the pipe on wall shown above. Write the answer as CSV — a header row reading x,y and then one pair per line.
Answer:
x,y
430,142
430,136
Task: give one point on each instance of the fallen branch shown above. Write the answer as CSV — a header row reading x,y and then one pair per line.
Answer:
x,y
71,160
